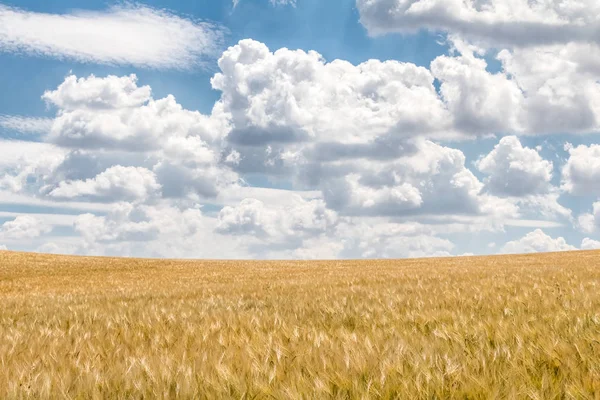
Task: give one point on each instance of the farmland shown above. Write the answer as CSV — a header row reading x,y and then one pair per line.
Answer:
x,y
524,326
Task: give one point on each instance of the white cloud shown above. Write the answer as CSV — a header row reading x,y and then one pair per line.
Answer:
x,y
110,121
291,96
590,222
125,34
381,239
25,166
581,173
433,180
535,242
531,223
559,85
514,170
116,183
23,227
22,124
494,22
480,102
590,244
3,247
273,2
94,93
114,113
161,230
285,225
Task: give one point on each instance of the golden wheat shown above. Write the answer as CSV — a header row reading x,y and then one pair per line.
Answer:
x,y
478,327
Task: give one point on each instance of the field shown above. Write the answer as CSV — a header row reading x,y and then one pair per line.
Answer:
x,y
478,327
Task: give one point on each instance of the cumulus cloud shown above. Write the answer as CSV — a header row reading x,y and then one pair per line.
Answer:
x,y
480,102
581,172
285,225
116,183
434,180
358,140
3,247
590,244
147,37
536,242
494,22
160,230
514,170
26,166
114,113
111,121
23,227
292,96
559,85
590,222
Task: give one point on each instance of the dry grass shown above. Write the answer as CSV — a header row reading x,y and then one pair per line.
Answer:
x,y
497,327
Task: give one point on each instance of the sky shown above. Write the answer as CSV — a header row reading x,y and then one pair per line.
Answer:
x,y
307,129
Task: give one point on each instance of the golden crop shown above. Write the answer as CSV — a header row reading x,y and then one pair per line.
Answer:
x,y
479,327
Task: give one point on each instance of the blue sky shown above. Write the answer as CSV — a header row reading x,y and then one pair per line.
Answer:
x,y
489,139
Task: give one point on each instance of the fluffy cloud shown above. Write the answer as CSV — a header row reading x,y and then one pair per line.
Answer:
x,y
147,37
434,180
26,166
494,22
111,121
359,140
3,247
114,113
559,85
590,244
291,96
161,230
284,226
23,227
535,242
116,183
375,238
480,102
581,173
514,170
590,222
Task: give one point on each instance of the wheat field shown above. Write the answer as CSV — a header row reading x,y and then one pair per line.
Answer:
x,y
523,327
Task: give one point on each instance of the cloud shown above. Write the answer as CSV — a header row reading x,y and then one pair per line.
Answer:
x,y
384,239
114,113
285,225
23,227
94,93
126,34
273,2
159,230
116,183
493,22
25,124
291,96
433,180
480,102
581,172
25,166
559,85
535,242
590,222
514,170
3,247
589,244
109,121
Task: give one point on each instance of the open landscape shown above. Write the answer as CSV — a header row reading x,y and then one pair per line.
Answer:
x,y
525,326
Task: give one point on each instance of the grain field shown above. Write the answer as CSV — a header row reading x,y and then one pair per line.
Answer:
x,y
522,327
